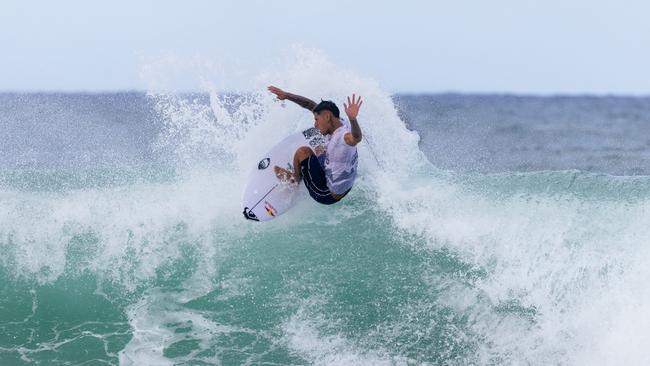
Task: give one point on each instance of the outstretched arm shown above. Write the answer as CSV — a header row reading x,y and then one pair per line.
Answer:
x,y
352,110
298,99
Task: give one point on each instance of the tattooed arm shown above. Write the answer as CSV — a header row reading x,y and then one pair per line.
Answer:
x,y
298,99
352,110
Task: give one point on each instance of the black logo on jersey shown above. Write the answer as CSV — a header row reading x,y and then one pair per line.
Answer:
x,y
311,132
317,141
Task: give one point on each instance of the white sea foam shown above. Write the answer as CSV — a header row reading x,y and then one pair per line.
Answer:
x,y
156,320
128,231
304,337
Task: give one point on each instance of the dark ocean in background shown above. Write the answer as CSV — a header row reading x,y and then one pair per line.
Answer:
x,y
483,230
463,133
509,133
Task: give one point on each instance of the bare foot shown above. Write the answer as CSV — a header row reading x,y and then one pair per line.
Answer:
x,y
284,175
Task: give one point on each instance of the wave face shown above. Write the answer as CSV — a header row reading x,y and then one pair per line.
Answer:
x,y
122,240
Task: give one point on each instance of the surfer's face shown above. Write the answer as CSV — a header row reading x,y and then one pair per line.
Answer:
x,y
323,121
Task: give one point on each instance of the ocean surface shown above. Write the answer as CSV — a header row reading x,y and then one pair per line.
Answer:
x,y
483,230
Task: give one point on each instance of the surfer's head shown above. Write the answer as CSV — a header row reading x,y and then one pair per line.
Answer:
x,y
327,105
326,117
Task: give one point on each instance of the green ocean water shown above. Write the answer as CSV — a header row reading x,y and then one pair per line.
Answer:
x,y
350,289
349,284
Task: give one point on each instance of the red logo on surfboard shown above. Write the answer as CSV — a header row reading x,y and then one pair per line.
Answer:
x,y
270,209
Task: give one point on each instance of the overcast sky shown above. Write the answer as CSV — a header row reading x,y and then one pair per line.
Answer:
x,y
516,46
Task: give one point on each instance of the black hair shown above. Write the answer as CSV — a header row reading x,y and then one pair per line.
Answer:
x,y
327,105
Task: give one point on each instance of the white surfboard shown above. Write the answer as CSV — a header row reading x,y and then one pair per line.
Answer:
x,y
265,196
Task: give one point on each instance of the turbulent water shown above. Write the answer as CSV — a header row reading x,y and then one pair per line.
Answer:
x,y
486,230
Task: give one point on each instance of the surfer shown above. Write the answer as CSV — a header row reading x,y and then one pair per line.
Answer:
x,y
328,175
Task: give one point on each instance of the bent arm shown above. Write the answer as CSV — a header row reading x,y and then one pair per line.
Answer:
x,y
352,110
354,136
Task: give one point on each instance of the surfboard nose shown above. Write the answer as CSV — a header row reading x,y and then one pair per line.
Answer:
x,y
250,215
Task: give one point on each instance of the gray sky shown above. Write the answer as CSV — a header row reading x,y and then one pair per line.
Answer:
x,y
518,46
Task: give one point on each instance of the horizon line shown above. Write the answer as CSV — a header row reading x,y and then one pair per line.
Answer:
x,y
404,93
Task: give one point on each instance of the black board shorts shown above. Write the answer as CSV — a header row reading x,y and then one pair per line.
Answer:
x,y
314,177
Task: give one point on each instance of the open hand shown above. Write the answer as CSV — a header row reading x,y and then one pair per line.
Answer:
x,y
281,94
352,107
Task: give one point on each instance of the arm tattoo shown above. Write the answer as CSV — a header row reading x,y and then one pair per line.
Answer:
x,y
355,129
302,101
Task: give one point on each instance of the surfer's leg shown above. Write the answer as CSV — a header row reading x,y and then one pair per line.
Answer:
x,y
301,154
313,176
